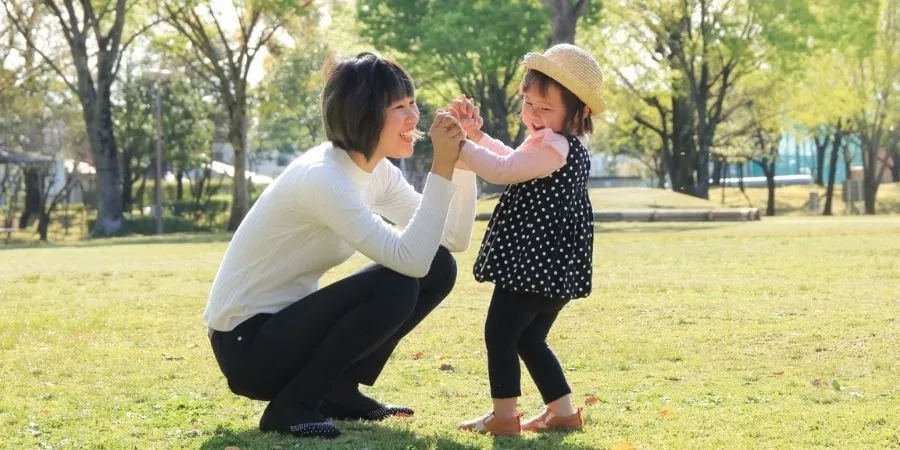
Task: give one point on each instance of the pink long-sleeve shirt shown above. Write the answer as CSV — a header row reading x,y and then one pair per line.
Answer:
x,y
542,153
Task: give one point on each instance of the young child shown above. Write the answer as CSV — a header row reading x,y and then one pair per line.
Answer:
x,y
538,245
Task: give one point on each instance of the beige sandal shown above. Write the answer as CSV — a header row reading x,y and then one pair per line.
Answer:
x,y
495,426
547,421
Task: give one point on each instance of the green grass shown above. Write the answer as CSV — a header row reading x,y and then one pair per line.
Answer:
x,y
776,334
632,198
789,200
794,200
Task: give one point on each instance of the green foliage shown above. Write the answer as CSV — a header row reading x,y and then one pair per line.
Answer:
x,y
475,44
146,225
288,100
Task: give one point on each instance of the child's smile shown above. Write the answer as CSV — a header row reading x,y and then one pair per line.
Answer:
x,y
543,110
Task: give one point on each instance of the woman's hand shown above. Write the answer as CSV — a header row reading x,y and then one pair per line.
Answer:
x,y
447,137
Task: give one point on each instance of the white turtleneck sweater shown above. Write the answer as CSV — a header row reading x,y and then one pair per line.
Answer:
x,y
320,211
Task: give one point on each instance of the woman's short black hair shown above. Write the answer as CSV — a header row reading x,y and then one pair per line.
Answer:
x,y
357,93
576,123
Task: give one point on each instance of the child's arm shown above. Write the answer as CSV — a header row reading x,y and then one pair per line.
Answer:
x,y
494,145
516,166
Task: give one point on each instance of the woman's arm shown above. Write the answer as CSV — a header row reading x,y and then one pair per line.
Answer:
x,y
342,210
398,202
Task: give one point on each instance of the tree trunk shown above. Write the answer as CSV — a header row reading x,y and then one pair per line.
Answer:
x,y
565,19
240,197
717,172
895,166
32,197
44,225
832,169
821,147
110,221
127,181
770,184
140,193
496,122
179,185
872,173
682,170
703,149
661,172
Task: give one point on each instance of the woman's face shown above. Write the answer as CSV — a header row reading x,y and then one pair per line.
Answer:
x,y
540,111
398,135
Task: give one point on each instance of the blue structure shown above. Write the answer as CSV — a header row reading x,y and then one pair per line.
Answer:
x,y
798,157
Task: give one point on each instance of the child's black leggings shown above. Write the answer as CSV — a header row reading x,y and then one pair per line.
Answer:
x,y
517,325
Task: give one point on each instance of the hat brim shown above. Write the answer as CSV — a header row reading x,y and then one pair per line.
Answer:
x,y
541,63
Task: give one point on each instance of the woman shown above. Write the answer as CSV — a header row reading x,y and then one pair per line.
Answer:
x,y
275,334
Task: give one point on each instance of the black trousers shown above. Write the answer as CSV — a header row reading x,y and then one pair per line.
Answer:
x,y
517,326
346,330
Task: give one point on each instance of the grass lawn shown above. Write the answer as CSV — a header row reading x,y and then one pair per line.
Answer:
x,y
789,200
783,333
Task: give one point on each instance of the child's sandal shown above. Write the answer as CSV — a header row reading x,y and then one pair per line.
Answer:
x,y
547,421
495,426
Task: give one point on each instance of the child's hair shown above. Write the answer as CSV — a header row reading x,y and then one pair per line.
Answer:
x,y
357,92
576,123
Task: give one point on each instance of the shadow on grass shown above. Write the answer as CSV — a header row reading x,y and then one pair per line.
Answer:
x,y
658,227
357,435
174,238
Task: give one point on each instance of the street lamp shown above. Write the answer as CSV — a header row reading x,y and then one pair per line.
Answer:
x,y
158,77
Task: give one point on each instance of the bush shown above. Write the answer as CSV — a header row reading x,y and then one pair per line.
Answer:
x,y
146,225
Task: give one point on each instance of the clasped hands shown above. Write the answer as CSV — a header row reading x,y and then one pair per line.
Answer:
x,y
452,127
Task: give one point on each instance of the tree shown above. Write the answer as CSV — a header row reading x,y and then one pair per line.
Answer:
x,y
565,19
876,79
225,58
756,125
288,100
96,39
636,129
474,47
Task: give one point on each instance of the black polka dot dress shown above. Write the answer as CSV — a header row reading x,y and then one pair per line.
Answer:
x,y
541,235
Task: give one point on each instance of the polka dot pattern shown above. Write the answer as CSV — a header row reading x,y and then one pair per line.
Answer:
x,y
541,235
315,429
387,411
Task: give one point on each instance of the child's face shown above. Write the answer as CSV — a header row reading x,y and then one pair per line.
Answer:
x,y
539,111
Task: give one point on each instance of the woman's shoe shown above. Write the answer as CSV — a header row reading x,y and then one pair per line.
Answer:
x,y
335,411
297,421
547,421
495,426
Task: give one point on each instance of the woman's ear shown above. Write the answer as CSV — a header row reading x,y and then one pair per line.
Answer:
x,y
587,111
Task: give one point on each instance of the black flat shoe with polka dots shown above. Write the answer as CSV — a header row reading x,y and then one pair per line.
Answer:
x,y
381,412
297,421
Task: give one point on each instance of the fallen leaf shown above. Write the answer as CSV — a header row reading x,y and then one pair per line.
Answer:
x,y
818,382
836,385
625,445
172,357
446,367
418,355
666,413
778,373
591,401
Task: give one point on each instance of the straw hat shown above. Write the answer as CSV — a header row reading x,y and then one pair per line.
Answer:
x,y
574,68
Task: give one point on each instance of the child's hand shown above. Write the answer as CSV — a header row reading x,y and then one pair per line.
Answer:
x,y
469,116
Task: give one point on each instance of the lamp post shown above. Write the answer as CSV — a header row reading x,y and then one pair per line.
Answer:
x,y
157,77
